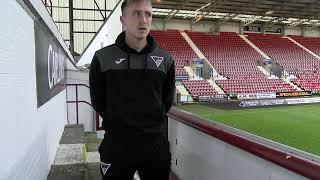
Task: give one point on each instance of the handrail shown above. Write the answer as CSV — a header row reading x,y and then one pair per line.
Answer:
x,y
79,85
77,99
80,102
291,162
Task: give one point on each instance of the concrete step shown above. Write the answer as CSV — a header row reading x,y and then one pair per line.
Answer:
x,y
263,70
192,45
69,162
67,172
93,171
70,159
90,137
70,154
92,156
189,71
92,141
254,47
89,171
182,90
73,134
216,87
293,85
196,49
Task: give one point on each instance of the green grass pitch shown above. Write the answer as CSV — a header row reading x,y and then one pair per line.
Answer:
x,y
295,126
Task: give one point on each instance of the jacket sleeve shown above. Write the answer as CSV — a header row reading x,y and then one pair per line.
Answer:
x,y
169,88
97,87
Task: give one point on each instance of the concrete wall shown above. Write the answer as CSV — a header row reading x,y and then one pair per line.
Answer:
x,y
158,24
297,30
312,32
202,26
230,27
178,24
198,156
292,30
29,135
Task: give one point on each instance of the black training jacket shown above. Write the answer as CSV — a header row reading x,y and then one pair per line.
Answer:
x,y
132,91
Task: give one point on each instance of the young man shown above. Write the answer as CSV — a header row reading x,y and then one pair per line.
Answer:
x,y
132,86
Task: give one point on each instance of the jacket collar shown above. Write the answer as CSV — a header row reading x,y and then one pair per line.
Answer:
x,y
120,42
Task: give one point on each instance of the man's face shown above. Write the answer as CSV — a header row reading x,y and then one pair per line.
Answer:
x,y
136,19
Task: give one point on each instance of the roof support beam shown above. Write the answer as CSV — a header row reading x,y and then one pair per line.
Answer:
x,y
206,11
175,11
249,21
227,18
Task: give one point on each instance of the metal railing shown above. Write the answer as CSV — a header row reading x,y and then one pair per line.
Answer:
x,y
77,101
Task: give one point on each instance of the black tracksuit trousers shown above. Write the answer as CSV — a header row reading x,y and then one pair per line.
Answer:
x,y
121,157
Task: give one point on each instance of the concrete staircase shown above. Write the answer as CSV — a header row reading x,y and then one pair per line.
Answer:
x,y
254,46
216,87
196,49
70,160
77,157
291,83
182,90
189,71
192,45
263,70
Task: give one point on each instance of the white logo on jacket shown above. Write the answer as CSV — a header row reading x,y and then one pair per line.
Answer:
x,y
158,60
120,60
104,167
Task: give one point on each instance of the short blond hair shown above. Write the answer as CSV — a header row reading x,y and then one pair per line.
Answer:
x,y
126,3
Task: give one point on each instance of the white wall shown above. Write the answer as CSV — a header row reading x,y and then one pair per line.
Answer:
x,y
157,24
297,30
106,36
312,32
202,157
201,26
29,136
230,27
178,24
292,30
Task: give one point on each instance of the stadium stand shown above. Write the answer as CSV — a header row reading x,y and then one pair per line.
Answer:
x,y
312,43
228,53
294,59
199,88
235,59
175,44
308,82
236,86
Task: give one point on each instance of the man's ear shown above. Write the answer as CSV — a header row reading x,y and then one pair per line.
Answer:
x,y
122,19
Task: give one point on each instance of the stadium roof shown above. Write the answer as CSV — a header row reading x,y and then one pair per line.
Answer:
x,y
289,12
